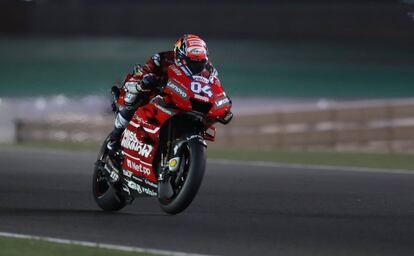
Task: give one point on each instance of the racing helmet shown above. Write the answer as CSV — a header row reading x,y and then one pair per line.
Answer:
x,y
191,51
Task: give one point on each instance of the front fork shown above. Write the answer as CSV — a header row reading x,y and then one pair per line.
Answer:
x,y
172,169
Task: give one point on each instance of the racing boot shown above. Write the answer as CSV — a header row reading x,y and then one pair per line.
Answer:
x,y
114,141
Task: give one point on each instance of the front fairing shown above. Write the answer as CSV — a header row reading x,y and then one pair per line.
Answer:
x,y
196,93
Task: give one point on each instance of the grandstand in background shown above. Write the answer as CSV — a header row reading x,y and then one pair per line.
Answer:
x,y
363,20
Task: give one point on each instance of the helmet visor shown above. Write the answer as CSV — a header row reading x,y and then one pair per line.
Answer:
x,y
196,66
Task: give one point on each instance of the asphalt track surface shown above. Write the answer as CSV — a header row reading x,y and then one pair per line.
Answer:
x,y
240,210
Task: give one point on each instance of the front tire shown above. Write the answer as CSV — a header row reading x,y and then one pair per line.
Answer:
x,y
194,159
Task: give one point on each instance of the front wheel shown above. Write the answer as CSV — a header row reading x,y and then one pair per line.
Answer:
x,y
188,181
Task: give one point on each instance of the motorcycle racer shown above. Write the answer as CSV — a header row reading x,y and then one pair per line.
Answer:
x,y
190,53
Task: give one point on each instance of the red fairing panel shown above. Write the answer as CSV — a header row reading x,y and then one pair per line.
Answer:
x,y
140,139
181,88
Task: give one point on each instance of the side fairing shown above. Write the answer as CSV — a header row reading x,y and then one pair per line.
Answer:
x,y
177,88
141,138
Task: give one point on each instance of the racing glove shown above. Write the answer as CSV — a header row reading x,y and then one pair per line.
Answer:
x,y
148,82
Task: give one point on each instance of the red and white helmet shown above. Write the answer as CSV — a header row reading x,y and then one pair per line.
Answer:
x,y
191,51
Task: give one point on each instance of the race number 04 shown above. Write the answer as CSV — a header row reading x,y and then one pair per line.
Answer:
x,y
198,88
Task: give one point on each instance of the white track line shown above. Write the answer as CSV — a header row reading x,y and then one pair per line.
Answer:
x,y
99,245
310,166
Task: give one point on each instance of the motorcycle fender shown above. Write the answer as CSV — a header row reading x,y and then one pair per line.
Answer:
x,y
179,144
198,139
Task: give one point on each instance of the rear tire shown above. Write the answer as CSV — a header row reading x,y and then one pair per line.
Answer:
x,y
196,167
104,193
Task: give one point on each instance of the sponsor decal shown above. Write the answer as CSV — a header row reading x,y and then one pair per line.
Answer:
x,y
197,50
131,142
114,176
177,89
203,98
138,167
174,164
139,189
112,171
222,102
134,186
195,41
201,79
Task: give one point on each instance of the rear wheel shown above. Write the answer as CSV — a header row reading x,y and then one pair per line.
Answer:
x,y
104,193
188,180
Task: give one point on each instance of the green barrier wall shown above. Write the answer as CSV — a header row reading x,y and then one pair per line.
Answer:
x,y
75,67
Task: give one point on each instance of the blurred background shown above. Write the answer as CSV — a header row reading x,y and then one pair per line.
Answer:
x,y
302,74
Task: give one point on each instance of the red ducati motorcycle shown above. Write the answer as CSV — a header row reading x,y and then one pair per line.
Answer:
x,y
163,147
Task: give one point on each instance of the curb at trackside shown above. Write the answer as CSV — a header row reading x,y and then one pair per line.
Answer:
x,y
99,245
310,167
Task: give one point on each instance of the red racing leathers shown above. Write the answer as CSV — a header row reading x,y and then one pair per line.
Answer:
x,y
157,67
147,78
